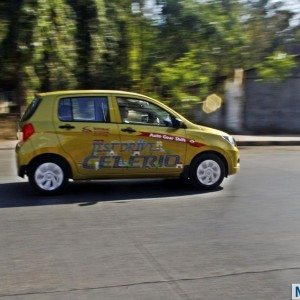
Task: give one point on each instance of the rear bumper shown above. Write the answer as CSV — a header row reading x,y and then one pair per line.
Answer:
x,y
21,168
22,171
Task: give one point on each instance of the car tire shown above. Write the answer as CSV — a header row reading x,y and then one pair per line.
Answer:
x,y
207,171
48,176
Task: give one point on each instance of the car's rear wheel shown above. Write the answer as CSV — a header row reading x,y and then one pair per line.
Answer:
x,y
207,171
48,175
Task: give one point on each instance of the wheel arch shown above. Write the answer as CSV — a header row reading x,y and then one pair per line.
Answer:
x,y
45,156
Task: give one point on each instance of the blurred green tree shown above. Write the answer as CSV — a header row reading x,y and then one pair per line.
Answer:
x,y
115,72
276,67
38,51
53,47
129,43
181,53
267,28
15,47
89,39
202,42
4,20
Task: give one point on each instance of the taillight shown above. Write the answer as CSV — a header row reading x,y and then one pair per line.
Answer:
x,y
28,131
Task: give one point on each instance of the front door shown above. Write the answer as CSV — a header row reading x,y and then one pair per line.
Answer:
x,y
151,144
86,134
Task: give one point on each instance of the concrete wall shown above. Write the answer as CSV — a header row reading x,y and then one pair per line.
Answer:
x,y
234,96
270,107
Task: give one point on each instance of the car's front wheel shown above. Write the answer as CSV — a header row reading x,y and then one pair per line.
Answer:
x,y
207,171
48,176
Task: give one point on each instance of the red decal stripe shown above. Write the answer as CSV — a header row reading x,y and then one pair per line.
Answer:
x,y
171,138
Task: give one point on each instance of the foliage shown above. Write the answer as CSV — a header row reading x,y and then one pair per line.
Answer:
x,y
276,67
38,50
53,47
89,39
4,21
181,53
206,43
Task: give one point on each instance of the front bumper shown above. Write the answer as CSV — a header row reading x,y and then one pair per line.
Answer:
x,y
233,161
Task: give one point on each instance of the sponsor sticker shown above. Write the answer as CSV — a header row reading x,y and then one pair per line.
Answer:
x,y
95,130
171,138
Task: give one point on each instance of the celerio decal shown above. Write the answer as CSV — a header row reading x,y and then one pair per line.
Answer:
x,y
171,138
105,155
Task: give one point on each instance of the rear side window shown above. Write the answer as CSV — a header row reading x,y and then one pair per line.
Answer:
x,y
30,110
83,109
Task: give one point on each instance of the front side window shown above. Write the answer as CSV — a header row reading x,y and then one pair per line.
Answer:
x,y
137,111
83,109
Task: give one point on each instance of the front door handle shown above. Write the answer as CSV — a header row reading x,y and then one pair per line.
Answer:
x,y
128,129
67,126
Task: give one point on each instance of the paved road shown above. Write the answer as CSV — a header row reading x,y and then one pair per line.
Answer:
x,y
155,239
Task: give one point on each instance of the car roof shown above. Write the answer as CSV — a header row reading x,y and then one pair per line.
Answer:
x,y
75,92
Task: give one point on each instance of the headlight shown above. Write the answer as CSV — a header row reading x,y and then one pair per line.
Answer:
x,y
229,139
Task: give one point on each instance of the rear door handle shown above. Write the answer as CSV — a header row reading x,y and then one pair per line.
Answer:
x,y
67,126
128,129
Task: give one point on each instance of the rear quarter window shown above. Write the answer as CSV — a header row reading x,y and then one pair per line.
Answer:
x,y
31,109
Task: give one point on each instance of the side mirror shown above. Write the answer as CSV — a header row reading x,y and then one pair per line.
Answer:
x,y
177,123
145,119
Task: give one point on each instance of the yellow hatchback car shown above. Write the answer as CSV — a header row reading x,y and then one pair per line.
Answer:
x,y
99,134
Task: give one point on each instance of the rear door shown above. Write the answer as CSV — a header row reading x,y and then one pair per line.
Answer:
x,y
86,133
